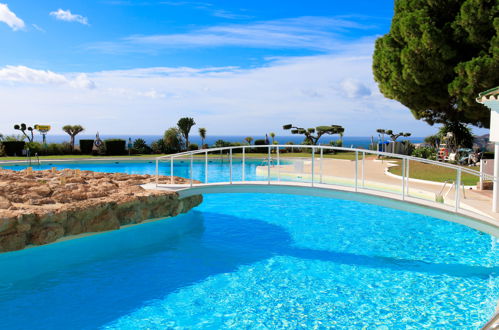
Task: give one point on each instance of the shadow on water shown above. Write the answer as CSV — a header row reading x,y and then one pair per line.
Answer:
x,y
85,283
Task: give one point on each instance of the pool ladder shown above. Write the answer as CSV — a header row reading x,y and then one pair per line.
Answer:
x,y
453,184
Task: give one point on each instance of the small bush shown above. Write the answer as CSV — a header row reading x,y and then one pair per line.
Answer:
x,y
423,152
58,149
159,147
140,147
115,146
35,148
193,146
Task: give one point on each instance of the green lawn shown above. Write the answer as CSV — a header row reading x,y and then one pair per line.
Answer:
x,y
431,172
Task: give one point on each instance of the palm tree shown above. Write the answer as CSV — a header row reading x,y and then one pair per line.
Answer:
x,y
73,130
202,134
184,125
249,139
272,135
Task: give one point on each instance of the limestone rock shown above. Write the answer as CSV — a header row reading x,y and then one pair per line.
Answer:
x,y
40,207
4,203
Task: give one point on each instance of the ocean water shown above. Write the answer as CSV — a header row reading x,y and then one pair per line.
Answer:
x,y
259,261
348,141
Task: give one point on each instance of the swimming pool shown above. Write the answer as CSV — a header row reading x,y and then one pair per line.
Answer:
x,y
218,170
259,260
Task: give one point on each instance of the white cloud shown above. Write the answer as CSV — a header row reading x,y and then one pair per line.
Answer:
x,y
82,81
315,33
66,15
24,75
227,100
354,88
9,18
38,28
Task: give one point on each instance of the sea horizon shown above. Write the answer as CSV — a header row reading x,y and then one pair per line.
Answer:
x,y
348,141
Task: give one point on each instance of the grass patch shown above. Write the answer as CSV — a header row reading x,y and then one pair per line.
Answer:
x,y
430,172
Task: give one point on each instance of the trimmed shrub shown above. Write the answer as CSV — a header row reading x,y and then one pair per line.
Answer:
x,y
58,149
86,146
13,148
260,142
115,146
193,146
488,155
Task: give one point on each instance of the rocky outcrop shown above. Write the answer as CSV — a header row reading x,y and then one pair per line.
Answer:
x,y
39,207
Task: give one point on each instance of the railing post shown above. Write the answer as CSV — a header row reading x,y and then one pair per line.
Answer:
x,y
458,187
356,169
171,170
206,167
230,170
363,158
313,165
320,166
403,178
244,163
268,165
278,165
157,172
407,176
192,160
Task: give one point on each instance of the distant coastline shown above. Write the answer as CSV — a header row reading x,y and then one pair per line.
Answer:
x,y
348,141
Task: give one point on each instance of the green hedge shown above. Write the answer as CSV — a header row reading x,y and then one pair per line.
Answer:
x,y
86,146
115,146
260,142
13,148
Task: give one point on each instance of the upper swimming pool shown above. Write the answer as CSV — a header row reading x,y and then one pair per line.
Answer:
x,y
218,170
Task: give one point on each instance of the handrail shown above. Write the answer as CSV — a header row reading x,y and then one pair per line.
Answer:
x,y
372,152
405,166
493,323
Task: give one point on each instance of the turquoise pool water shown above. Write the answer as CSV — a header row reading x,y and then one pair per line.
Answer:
x,y
218,170
259,261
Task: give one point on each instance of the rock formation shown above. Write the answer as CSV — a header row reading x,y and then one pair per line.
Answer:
x,y
39,207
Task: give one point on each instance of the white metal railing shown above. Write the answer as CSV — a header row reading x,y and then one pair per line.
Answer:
x,y
359,179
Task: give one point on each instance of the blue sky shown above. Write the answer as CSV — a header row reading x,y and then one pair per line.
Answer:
x,y
237,67
104,43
